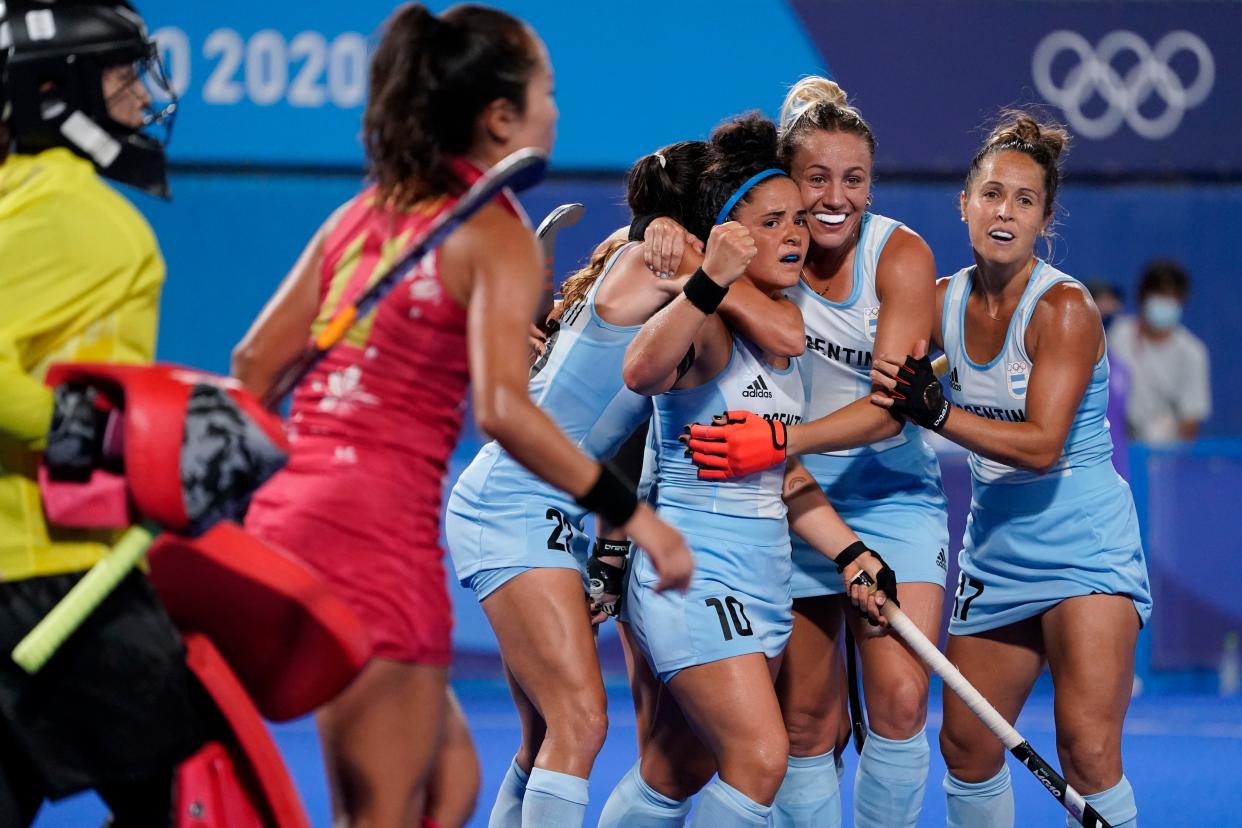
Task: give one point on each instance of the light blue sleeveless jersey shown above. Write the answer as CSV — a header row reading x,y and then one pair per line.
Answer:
x,y
888,492
499,515
739,600
1033,540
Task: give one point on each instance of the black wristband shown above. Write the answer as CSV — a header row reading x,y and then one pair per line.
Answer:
x,y
850,554
610,497
611,548
638,227
703,293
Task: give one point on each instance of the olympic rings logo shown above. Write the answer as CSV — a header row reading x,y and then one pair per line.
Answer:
x,y
1125,94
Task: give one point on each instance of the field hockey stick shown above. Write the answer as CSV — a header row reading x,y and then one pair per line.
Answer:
x,y
1021,749
566,215
858,718
518,171
42,642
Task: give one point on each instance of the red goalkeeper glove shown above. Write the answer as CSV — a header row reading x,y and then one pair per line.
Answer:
x,y
738,443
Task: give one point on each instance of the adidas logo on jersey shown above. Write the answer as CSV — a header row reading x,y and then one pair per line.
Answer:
x,y
953,383
758,388
941,561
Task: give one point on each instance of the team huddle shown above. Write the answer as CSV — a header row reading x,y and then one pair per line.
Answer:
x,y
755,349
719,444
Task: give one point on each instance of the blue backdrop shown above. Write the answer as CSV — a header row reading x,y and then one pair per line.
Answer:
x,y
267,146
230,238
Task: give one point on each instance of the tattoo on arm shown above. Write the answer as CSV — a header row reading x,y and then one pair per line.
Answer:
x,y
795,484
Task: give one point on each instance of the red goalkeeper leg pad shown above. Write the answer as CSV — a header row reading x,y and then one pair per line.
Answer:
x,y
257,772
293,643
210,793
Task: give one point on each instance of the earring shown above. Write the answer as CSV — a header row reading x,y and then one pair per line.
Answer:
x,y
963,219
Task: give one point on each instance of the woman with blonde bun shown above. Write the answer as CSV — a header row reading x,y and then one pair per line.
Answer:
x,y
868,287
1053,568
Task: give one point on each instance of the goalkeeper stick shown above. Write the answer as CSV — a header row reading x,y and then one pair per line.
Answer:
x,y
42,642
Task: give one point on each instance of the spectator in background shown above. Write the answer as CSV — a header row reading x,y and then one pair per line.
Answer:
x,y
1109,300
1112,307
1169,392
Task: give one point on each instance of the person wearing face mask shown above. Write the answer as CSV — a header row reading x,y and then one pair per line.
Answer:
x,y
1170,395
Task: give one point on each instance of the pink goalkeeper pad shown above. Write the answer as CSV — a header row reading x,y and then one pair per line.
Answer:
x,y
100,503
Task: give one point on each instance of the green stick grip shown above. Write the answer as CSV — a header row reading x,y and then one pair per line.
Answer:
x,y
41,643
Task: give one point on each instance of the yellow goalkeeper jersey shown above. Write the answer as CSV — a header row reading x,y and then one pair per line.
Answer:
x,y
80,277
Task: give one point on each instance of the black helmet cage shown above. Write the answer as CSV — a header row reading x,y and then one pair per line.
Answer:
x,y
54,80
4,98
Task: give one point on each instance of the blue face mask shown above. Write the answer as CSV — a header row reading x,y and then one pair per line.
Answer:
x,y
1162,312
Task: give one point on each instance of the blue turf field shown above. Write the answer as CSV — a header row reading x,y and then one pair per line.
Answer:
x,y
1183,754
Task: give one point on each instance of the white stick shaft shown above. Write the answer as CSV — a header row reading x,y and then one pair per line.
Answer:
x,y
951,676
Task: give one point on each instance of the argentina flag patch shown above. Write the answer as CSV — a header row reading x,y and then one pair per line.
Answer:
x,y
871,322
1015,379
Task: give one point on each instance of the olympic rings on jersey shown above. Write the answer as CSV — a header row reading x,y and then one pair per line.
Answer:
x,y
1152,74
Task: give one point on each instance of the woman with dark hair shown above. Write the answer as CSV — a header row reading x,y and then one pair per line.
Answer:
x,y
521,544
1052,566
371,428
867,286
716,648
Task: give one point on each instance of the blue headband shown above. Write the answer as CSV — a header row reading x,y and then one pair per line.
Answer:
x,y
741,191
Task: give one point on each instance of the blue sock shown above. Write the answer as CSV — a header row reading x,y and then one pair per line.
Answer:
x,y
723,806
810,796
1115,804
891,778
507,812
986,804
554,800
635,803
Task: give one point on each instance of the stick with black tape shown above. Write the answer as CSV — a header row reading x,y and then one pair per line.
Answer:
x,y
566,215
1021,749
517,171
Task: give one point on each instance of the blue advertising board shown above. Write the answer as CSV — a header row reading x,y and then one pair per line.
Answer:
x,y
1144,87
284,82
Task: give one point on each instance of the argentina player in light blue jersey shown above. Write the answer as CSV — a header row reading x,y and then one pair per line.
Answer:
x,y
519,543
1052,566
868,287
716,647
